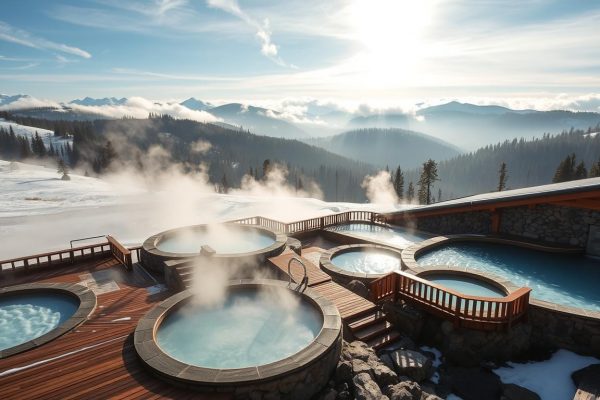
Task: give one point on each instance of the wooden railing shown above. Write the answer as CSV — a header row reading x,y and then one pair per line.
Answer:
x,y
487,313
122,254
56,257
313,223
70,256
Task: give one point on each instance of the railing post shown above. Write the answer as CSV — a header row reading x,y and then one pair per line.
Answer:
x,y
457,311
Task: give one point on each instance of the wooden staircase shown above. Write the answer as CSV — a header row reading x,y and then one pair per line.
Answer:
x,y
364,318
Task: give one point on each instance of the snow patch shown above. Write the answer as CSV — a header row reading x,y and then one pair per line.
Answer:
x,y
29,132
551,379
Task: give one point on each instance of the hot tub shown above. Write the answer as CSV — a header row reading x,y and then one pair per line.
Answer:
x,y
395,236
33,314
262,337
228,241
364,262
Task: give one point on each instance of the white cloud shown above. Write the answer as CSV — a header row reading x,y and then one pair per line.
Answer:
x,y
23,38
263,32
30,102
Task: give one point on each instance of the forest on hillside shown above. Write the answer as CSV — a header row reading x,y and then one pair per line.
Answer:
x,y
104,145
528,163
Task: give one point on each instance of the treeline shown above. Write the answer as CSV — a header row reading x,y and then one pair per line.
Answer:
x,y
102,145
17,147
528,163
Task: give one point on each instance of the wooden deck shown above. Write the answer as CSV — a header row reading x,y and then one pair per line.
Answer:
x,y
96,360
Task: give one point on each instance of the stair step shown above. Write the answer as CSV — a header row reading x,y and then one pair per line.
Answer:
x,y
380,341
371,331
366,320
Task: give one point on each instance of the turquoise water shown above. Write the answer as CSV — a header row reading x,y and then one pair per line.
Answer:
x,y
569,280
465,285
367,262
396,236
25,317
251,328
222,240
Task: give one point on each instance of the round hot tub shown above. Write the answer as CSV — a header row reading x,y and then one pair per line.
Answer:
x,y
466,283
262,336
33,314
363,262
224,241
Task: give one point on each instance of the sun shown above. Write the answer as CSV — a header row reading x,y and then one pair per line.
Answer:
x,y
390,34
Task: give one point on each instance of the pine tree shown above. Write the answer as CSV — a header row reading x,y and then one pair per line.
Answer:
x,y
224,184
439,198
62,168
429,175
565,170
266,168
503,177
399,183
595,170
410,193
580,171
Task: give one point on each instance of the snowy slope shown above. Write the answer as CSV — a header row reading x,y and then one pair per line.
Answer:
x,y
39,212
29,131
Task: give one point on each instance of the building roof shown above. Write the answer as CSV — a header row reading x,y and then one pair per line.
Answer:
x,y
583,188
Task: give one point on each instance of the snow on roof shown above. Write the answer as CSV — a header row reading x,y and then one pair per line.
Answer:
x,y
581,185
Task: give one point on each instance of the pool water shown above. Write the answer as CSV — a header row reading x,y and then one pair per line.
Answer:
x,y
251,328
396,236
222,240
465,285
568,280
24,317
367,262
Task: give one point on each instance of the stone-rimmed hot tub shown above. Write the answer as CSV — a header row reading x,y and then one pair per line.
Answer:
x,y
235,347
244,243
363,262
48,310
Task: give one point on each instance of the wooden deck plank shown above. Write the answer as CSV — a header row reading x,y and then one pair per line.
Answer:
x,y
96,359
315,274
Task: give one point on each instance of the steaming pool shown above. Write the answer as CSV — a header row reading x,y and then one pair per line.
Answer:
x,y
261,331
33,314
393,236
364,262
249,329
565,279
226,240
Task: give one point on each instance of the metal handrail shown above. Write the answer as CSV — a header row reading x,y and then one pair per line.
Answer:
x,y
87,238
304,281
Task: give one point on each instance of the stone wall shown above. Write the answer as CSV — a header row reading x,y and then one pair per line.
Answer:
x,y
470,222
552,328
549,223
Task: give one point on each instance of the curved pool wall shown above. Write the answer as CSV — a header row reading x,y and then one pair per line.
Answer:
x,y
153,257
44,302
344,275
553,324
386,235
468,283
296,376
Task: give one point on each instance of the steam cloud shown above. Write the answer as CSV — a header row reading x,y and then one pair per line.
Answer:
x,y
379,189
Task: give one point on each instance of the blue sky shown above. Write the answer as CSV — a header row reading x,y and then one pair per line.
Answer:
x,y
383,53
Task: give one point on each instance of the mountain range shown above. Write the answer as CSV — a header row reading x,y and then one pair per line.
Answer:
x,y
466,126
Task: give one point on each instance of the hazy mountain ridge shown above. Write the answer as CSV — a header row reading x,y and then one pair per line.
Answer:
x,y
391,147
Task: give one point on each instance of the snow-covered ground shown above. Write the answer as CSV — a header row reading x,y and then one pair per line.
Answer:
x,y
29,131
39,212
551,379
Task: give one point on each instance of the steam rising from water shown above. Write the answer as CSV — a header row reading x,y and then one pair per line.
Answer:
x,y
379,189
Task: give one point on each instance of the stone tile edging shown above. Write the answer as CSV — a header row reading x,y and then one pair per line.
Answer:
x,y
330,268
87,305
411,253
213,379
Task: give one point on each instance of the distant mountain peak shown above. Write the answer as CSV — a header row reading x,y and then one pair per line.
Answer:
x,y
194,104
106,101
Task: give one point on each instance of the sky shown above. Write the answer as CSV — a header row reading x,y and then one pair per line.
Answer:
x,y
384,53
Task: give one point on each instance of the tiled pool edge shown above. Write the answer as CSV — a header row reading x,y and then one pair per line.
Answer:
x,y
343,276
87,305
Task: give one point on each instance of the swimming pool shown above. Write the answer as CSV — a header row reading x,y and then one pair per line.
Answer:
x,y
465,285
393,236
27,316
566,279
